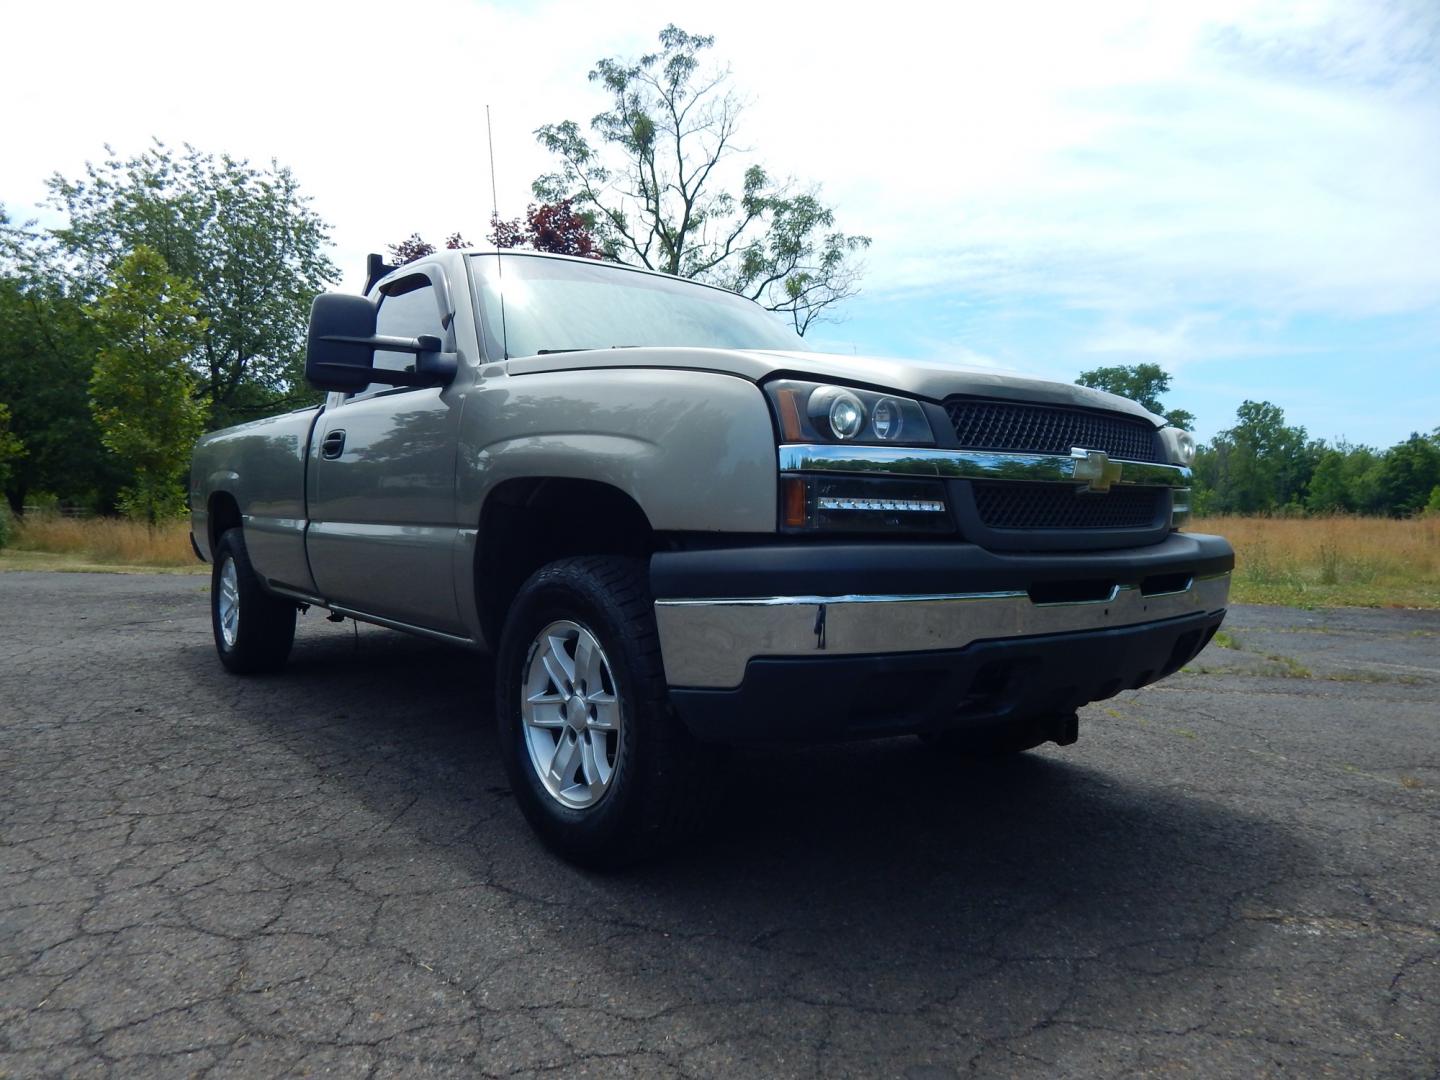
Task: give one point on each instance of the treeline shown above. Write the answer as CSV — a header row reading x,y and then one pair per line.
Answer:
x,y
1263,465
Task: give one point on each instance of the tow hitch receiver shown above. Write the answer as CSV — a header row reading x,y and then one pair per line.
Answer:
x,y
1065,729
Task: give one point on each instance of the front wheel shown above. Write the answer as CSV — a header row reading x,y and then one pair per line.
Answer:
x,y
600,766
254,630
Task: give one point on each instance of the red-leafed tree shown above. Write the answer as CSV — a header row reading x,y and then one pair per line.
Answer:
x,y
553,227
417,247
411,248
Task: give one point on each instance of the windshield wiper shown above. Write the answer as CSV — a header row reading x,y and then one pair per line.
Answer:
x,y
583,348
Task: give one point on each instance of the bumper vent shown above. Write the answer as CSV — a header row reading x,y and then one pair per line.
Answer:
x,y
1041,429
1062,506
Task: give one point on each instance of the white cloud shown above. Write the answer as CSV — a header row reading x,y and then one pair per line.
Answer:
x,y
1127,157
1176,341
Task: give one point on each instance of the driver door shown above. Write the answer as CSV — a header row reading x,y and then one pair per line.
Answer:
x,y
383,525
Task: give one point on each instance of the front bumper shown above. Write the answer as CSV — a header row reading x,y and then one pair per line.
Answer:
x,y
861,620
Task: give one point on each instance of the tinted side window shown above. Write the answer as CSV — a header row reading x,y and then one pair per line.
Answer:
x,y
408,310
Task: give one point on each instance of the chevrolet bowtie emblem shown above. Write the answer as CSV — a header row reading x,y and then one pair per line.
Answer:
x,y
1095,468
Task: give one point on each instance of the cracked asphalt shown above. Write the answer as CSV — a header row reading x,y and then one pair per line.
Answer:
x,y
1233,873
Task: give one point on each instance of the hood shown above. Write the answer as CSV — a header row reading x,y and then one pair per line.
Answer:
x,y
914,378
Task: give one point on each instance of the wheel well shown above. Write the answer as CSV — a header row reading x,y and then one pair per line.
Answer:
x,y
223,513
527,523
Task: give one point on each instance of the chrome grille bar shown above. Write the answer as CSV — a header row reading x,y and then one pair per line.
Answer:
x,y
973,465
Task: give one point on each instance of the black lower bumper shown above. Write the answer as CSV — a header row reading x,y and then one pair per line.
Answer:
x,y
986,684
908,567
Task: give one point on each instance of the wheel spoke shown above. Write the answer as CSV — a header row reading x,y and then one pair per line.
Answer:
x,y
561,657
562,765
544,714
589,770
556,671
588,662
606,712
600,754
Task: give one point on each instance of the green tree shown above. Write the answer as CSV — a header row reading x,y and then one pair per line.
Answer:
x,y
244,237
1144,383
11,448
47,351
1432,504
1328,491
1344,480
1407,473
651,187
143,390
1258,465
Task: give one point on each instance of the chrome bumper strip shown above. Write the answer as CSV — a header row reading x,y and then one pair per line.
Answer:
x,y
707,643
1078,467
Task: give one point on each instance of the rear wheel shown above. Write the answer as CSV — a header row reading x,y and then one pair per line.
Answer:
x,y
600,766
253,629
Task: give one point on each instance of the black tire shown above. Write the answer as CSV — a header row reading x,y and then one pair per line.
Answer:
x,y
264,628
655,793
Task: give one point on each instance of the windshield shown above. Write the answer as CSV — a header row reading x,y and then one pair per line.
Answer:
x,y
556,305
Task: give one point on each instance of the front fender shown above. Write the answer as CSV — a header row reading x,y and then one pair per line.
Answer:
x,y
694,449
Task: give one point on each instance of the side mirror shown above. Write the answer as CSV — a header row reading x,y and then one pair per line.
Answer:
x,y
340,349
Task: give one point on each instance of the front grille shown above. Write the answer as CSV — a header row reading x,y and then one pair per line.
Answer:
x,y
1064,506
1042,429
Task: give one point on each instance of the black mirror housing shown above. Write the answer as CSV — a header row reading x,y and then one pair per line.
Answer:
x,y
340,347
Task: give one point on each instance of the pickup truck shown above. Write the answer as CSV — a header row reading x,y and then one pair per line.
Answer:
x,y
675,527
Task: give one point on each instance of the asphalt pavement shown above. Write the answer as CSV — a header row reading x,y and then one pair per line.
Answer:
x,y
1235,872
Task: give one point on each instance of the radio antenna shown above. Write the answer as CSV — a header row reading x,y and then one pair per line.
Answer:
x,y
494,191
494,225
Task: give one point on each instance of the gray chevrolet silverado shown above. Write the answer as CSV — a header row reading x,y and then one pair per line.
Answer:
x,y
676,527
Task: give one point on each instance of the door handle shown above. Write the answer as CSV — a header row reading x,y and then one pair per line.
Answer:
x,y
334,444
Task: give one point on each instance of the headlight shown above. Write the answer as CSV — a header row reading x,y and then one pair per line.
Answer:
x,y
837,411
814,412
1179,446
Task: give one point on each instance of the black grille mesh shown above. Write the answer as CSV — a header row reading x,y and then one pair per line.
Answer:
x,y
1063,506
1039,429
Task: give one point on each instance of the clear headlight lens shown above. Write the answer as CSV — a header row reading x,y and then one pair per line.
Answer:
x,y
815,412
838,411
888,419
1179,446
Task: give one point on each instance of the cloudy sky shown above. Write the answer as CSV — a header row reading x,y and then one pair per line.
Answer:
x,y
1246,192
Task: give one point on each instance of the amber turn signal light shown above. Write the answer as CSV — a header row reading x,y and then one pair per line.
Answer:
x,y
792,498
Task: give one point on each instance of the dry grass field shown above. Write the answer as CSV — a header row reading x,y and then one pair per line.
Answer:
x,y
1333,561
52,542
1306,562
